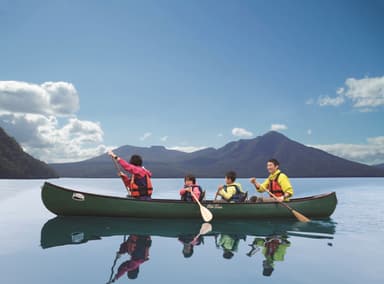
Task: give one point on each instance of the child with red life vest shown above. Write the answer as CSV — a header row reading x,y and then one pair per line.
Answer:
x,y
191,186
139,184
277,183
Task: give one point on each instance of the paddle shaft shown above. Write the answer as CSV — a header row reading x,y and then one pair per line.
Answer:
x,y
205,213
196,199
298,215
275,197
118,171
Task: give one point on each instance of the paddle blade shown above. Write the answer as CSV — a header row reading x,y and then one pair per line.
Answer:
x,y
205,228
300,216
206,214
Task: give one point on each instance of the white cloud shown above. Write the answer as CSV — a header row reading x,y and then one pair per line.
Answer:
x,y
187,149
328,101
340,91
42,119
241,132
371,152
365,94
278,127
309,131
164,138
310,101
145,136
220,135
49,98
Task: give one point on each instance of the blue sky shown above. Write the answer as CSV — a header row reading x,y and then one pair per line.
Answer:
x,y
184,74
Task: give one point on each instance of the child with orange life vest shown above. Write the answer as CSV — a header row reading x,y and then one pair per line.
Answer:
x,y
139,184
189,187
277,183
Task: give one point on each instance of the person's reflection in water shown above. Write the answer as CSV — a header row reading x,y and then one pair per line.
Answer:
x,y
138,248
189,242
229,244
274,249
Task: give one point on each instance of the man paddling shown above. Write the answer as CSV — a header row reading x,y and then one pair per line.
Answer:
x,y
277,183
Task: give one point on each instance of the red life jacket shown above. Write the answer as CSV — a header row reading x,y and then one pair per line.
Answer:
x,y
275,188
140,186
272,246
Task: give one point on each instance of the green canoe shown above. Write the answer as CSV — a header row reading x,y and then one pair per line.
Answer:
x,y
73,230
67,202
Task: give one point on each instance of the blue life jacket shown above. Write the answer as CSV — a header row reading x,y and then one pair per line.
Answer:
x,y
187,196
238,196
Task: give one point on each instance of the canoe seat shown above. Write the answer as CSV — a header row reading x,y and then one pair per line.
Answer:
x,y
244,197
202,197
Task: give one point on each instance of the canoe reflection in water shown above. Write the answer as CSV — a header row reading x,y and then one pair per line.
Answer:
x,y
271,238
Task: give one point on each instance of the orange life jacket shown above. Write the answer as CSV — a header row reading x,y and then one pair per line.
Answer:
x,y
275,188
141,186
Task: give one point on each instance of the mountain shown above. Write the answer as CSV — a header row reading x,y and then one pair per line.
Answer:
x,y
380,166
247,157
15,163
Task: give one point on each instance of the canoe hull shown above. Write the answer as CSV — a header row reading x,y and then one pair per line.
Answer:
x,y
74,230
67,202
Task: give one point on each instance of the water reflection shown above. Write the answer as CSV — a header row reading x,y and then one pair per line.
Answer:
x,y
229,243
269,238
273,248
137,247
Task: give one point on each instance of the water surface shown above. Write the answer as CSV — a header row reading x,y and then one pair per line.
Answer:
x,y
38,247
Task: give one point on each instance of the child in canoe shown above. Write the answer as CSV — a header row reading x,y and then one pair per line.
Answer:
x,y
189,187
231,191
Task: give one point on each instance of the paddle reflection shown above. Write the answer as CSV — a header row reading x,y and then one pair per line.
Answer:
x,y
189,242
264,241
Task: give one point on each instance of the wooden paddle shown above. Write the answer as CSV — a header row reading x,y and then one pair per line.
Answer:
x,y
298,215
118,172
205,229
205,213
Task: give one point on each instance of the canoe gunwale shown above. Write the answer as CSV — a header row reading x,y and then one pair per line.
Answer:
x,y
157,200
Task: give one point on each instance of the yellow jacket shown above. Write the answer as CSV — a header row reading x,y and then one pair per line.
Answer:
x,y
230,190
283,180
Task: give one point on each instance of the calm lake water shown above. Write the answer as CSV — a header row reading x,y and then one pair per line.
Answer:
x,y
36,247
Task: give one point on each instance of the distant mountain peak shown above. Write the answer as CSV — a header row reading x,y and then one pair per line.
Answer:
x,y
246,156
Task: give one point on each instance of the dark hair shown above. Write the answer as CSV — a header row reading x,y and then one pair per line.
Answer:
x,y
189,253
136,160
191,178
133,273
268,268
274,161
227,254
231,175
